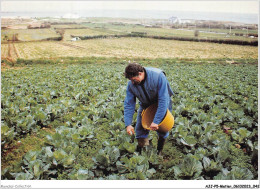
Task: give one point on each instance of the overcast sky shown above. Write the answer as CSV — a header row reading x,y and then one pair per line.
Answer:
x,y
72,6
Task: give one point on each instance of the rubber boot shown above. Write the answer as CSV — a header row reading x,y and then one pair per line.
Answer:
x,y
142,142
160,145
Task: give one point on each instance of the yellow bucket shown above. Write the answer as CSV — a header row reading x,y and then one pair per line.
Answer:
x,y
148,116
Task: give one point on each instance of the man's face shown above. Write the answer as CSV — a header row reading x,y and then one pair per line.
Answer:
x,y
136,80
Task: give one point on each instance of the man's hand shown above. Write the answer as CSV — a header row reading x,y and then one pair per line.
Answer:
x,y
130,130
154,126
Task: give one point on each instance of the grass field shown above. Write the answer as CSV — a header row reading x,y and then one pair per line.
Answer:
x,y
29,34
132,48
212,33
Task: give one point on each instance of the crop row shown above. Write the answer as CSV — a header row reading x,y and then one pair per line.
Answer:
x,y
215,132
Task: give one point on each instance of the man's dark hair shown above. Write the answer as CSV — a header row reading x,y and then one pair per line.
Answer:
x,y
133,70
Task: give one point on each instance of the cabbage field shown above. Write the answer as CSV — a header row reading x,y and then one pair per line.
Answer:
x,y
71,112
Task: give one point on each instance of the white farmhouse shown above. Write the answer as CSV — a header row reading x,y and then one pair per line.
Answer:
x,y
75,39
174,20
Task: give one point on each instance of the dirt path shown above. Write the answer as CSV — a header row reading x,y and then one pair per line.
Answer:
x,y
13,53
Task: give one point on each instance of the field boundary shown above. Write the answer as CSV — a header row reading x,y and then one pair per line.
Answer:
x,y
42,40
220,41
101,60
232,42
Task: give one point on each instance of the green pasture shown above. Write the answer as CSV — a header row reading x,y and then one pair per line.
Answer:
x,y
107,26
28,34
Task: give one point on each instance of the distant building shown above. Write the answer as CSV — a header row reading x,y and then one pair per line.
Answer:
x,y
75,39
38,25
187,21
153,26
174,20
34,26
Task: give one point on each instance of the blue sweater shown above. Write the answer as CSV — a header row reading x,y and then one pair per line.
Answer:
x,y
155,88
